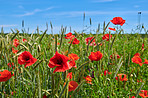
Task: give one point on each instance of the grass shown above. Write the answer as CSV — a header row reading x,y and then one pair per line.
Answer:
x,y
38,79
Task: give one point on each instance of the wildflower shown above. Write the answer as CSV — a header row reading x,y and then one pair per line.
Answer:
x,y
139,80
44,96
14,51
15,42
137,54
60,62
106,72
73,56
69,75
113,29
69,36
113,57
5,75
121,77
88,79
143,46
10,64
106,37
136,59
24,40
75,41
26,58
72,86
146,61
118,21
132,97
143,93
87,40
95,56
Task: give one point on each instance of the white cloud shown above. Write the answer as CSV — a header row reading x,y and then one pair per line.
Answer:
x,y
12,25
103,0
34,12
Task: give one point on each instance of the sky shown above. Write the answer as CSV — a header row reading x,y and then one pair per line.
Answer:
x,y
69,13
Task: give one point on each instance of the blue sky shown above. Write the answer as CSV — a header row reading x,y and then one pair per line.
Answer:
x,y
70,13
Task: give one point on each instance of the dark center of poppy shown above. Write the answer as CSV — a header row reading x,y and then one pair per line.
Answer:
x,y
59,61
27,58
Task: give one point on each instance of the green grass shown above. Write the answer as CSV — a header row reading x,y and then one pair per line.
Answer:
x,y
38,79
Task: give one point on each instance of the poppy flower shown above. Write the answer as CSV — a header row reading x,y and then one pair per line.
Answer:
x,y
143,93
69,36
137,60
26,58
69,75
60,62
113,29
146,61
106,37
15,42
24,40
106,72
87,40
113,57
44,96
72,86
121,77
132,97
75,41
88,79
95,56
118,21
137,54
14,51
72,64
5,75
143,46
73,56
10,64
139,80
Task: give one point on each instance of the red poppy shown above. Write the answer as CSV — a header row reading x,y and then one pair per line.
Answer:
x,y
132,97
139,80
118,21
137,54
60,62
88,79
87,40
75,41
10,64
106,72
113,57
69,75
72,64
73,56
146,61
106,37
137,60
143,46
44,96
69,36
26,58
95,56
72,86
24,40
143,93
5,75
15,42
14,51
121,77
113,29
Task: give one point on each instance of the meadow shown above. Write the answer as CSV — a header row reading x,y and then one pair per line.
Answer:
x,y
107,64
